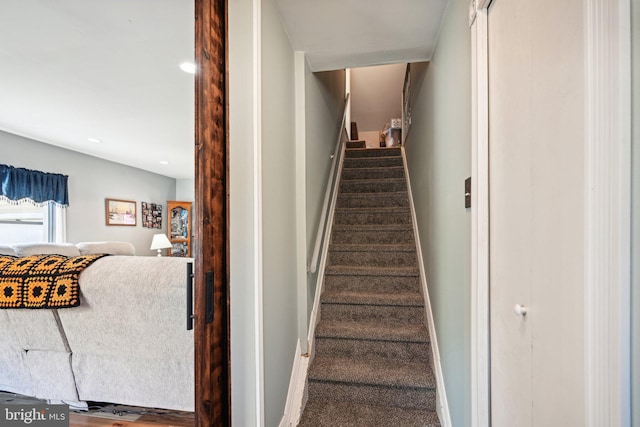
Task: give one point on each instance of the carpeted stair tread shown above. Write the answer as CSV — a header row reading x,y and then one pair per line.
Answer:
x,y
345,247
373,152
372,331
347,270
396,373
372,173
388,210
350,414
381,199
409,299
371,162
372,227
356,144
379,185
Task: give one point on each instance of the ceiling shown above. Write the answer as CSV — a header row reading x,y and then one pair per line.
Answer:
x,y
338,34
71,70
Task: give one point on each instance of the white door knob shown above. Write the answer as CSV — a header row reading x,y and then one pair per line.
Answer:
x,y
521,310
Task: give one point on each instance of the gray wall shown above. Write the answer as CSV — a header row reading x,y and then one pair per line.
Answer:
x,y
324,100
242,255
438,152
91,180
278,213
376,95
635,249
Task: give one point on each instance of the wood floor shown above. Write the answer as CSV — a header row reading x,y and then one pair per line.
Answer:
x,y
82,420
117,415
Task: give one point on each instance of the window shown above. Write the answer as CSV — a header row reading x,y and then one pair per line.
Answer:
x,y
24,222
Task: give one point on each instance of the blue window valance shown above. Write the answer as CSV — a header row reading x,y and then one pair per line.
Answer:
x,y
37,187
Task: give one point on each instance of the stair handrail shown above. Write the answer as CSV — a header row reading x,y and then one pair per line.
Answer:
x,y
331,188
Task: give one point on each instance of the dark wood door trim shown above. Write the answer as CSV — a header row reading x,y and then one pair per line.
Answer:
x,y
211,225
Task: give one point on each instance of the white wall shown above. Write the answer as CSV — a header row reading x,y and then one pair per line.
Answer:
x,y
324,100
243,254
376,95
439,159
635,249
91,180
278,212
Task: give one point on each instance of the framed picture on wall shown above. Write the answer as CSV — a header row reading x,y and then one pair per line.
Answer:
x,y
120,212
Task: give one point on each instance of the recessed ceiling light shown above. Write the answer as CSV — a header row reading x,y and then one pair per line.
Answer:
x,y
164,162
188,67
96,140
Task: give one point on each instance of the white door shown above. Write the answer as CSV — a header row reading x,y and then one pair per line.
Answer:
x,y
510,208
536,202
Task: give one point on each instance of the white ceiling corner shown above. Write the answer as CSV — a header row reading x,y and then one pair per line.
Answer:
x,y
337,34
72,70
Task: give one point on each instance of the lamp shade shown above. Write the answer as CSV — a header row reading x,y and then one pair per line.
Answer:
x,y
160,241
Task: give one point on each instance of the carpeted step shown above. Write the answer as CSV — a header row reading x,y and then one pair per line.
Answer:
x,y
374,382
371,349
373,173
373,234
337,282
373,185
389,215
349,414
372,162
373,152
372,313
372,200
372,247
373,297
348,270
356,144
401,256
410,332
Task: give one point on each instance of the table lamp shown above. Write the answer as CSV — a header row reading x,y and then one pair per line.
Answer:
x,y
160,242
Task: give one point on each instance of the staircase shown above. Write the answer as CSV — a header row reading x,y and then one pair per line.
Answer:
x,y
372,354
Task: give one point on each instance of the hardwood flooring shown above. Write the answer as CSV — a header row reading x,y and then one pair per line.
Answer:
x,y
108,415
83,420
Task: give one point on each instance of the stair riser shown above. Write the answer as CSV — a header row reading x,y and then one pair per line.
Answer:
x,y
372,152
378,259
356,144
372,200
371,349
374,217
373,186
372,162
373,173
372,237
373,395
372,313
369,283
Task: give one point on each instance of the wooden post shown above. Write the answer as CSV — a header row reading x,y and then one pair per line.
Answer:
x,y
212,369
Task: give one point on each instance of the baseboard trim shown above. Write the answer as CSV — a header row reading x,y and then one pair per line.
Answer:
x,y
298,383
293,406
442,405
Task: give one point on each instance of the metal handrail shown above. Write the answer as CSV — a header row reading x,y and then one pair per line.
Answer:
x,y
331,185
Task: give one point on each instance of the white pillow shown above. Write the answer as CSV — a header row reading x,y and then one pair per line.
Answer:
x,y
112,248
26,249
7,250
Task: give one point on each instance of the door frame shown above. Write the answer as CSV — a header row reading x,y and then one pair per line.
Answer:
x,y
607,214
211,216
480,334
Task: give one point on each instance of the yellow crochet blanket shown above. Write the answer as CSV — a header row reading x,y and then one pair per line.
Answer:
x,y
42,281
